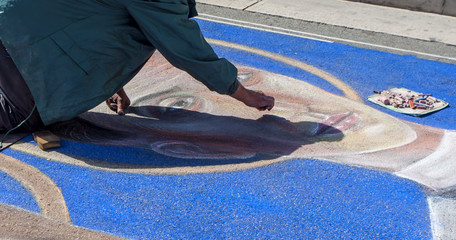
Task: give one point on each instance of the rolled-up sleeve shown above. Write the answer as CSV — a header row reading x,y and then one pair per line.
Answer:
x,y
166,25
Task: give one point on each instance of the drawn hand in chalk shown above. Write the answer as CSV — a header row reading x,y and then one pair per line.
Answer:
x,y
256,99
119,102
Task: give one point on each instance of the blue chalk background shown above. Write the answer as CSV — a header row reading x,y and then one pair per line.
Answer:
x,y
299,199
13,193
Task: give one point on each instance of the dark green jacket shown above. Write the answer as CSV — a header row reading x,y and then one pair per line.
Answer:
x,y
74,54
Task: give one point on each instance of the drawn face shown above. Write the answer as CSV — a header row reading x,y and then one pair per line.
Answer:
x,y
177,116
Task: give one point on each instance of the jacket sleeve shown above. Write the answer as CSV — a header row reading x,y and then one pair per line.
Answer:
x,y
166,25
192,9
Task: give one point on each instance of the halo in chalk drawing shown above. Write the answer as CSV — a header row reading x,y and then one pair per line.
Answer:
x,y
186,150
348,91
303,112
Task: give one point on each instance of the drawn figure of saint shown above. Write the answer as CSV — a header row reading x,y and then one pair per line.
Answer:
x,y
176,116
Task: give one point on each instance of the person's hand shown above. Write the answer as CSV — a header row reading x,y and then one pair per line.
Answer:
x,y
254,99
119,102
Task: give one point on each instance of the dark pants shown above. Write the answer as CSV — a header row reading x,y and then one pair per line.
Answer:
x,y
16,101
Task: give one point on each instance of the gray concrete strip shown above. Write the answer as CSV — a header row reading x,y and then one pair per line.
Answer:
x,y
445,7
368,17
20,224
434,51
449,8
236,4
432,6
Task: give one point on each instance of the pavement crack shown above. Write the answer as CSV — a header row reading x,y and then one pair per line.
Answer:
x,y
251,5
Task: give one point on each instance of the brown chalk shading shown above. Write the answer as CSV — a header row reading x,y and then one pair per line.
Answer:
x,y
17,223
46,193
